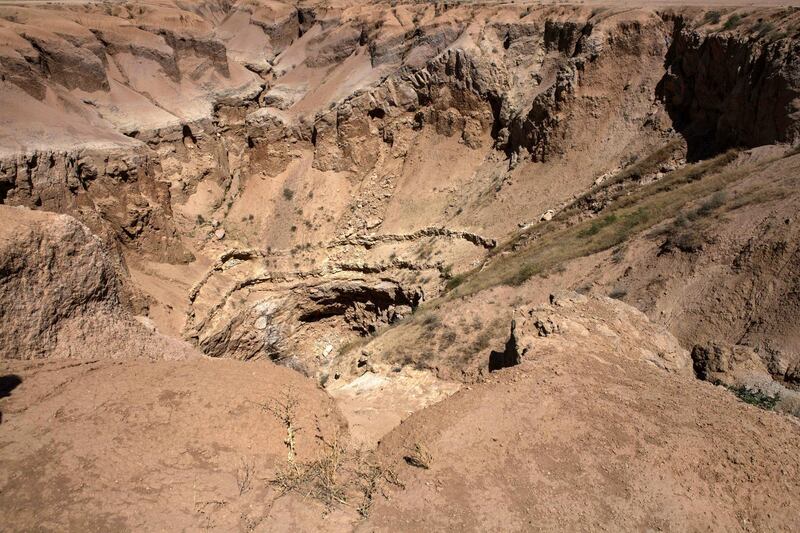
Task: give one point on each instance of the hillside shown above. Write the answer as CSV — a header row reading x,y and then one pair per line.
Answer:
x,y
549,248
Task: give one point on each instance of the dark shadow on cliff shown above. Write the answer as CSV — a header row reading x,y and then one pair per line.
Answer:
x,y
722,91
7,384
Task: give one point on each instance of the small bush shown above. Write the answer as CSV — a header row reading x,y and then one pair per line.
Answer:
x,y
338,476
712,204
454,282
754,397
483,340
618,255
618,294
447,338
689,240
763,28
596,226
712,17
522,275
431,321
288,193
733,21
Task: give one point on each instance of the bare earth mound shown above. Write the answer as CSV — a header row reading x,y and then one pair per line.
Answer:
x,y
583,437
145,446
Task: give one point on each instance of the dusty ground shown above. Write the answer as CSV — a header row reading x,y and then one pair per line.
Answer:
x,y
101,446
574,440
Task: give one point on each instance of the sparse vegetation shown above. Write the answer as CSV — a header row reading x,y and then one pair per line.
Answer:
x,y
618,256
632,213
712,17
288,194
338,475
431,324
597,225
685,233
753,397
618,294
244,476
732,22
482,340
763,28
454,281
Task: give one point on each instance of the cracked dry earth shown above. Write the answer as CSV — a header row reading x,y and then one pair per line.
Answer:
x,y
399,266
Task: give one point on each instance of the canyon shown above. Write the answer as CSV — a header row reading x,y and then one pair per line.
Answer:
x,y
335,265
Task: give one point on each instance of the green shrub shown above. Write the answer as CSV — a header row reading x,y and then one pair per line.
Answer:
x,y
618,294
523,274
597,225
754,397
733,21
455,281
712,17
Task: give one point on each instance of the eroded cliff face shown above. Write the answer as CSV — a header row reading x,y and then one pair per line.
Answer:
x,y
115,191
728,90
62,295
320,171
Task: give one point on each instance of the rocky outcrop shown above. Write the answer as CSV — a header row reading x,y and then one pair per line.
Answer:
x,y
364,306
280,317
511,355
368,241
61,295
741,369
114,191
711,360
574,321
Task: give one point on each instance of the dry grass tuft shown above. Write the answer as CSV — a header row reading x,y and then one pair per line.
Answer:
x,y
338,475
244,476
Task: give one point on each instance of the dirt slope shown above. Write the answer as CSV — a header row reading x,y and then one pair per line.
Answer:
x,y
599,426
132,446
581,439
